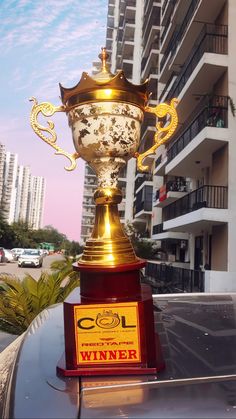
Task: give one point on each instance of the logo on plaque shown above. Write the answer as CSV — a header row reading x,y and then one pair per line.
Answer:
x,y
107,333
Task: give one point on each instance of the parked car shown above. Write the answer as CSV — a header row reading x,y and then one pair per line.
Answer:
x,y
6,255
197,335
2,255
31,257
9,256
17,251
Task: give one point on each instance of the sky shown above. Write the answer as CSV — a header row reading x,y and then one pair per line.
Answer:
x,y
43,43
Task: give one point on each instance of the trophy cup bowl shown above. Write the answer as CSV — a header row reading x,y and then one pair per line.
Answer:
x,y
105,113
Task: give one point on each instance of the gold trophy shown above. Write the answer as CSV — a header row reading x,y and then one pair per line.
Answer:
x,y
105,114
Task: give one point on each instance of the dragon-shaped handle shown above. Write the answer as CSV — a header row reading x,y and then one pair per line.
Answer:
x,y
163,133
47,109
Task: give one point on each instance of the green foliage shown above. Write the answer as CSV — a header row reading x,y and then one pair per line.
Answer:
x,y
232,105
144,248
22,300
7,234
20,234
64,266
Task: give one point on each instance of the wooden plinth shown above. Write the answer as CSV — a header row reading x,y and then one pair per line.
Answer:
x,y
110,284
110,289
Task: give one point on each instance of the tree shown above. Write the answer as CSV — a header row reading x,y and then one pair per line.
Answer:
x,y
144,248
22,300
7,235
23,233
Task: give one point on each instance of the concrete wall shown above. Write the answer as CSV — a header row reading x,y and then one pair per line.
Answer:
x,y
216,281
219,249
219,170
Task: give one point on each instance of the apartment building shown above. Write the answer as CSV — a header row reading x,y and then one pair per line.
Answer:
x,y
198,195
36,202
88,204
9,189
21,195
2,160
144,212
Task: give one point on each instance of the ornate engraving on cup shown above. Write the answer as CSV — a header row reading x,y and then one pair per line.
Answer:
x,y
106,135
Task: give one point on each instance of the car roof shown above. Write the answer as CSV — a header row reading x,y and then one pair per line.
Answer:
x,y
198,336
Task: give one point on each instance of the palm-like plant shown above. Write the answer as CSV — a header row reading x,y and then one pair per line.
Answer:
x,y
64,266
22,300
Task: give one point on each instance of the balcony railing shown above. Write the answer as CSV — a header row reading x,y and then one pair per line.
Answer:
x,y
158,161
151,19
142,206
206,196
157,229
215,114
166,279
140,180
213,39
155,46
130,3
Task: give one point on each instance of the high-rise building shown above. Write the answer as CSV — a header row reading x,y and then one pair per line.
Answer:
x,y
23,190
198,196
36,202
21,195
88,212
186,48
2,162
8,201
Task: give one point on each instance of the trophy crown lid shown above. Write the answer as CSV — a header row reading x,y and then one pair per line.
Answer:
x,y
105,86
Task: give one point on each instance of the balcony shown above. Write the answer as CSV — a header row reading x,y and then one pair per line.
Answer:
x,y
178,34
201,208
165,279
127,49
213,39
166,10
150,61
142,207
128,29
141,180
171,191
158,233
160,163
151,22
200,138
143,202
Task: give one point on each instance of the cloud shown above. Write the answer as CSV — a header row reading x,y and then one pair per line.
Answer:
x,y
49,22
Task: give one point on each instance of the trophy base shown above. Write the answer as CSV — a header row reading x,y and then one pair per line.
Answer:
x,y
109,328
63,371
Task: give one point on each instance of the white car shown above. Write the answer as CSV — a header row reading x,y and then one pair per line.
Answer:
x,y
31,257
17,251
9,256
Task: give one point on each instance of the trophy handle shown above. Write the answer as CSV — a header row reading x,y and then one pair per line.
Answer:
x,y
162,133
47,109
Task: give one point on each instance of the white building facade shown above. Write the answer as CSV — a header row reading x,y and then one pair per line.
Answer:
x,y
198,67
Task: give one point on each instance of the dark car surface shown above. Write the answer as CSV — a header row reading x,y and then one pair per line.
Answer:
x,y
198,338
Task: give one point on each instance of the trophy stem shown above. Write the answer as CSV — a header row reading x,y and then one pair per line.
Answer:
x,y
108,245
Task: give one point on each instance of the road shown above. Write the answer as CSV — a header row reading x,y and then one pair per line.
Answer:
x,y
12,268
